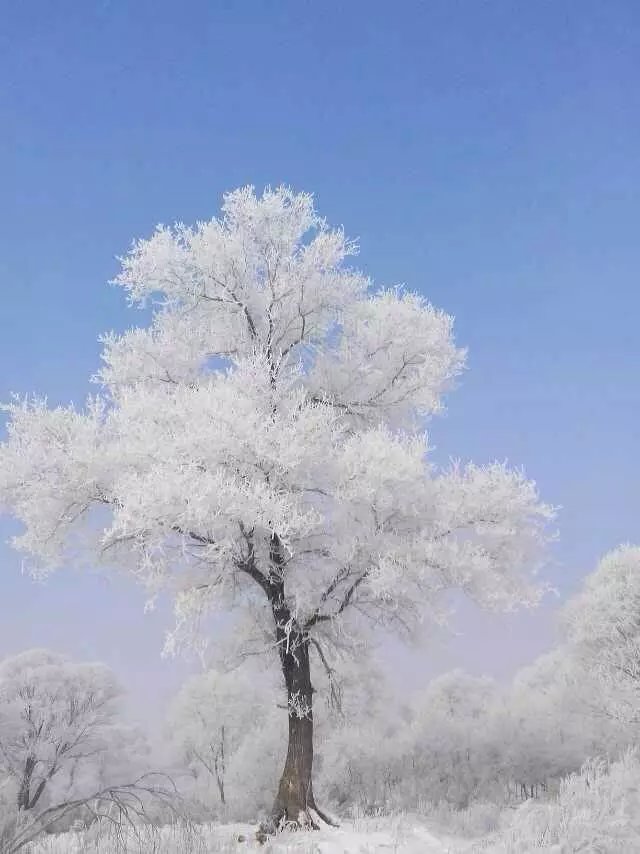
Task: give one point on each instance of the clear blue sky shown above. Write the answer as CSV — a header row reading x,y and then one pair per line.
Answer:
x,y
485,153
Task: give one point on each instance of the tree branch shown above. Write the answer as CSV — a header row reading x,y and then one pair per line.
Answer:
x,y
335,694
346,601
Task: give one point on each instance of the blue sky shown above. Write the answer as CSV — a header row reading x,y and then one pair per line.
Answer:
x,y
484,153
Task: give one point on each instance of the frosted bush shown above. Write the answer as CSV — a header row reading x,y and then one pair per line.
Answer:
x,y
597,809
479,819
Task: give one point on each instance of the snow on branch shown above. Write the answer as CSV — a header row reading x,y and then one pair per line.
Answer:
x,y
262,440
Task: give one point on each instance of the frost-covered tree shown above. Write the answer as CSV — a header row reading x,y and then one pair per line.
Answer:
x,y
603,630
260,447
126,756
57,722
210,719
454,735
441,744
558,714
225,730
358,717
545,727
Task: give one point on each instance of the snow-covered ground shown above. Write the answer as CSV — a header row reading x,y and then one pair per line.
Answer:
x,y
402,834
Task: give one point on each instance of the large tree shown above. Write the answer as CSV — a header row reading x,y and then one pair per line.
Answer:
x,y
260,446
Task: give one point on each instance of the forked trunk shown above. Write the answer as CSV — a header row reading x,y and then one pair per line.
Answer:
x,y
27,801
24,792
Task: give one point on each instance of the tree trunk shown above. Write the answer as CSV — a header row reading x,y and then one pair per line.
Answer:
x,y
294,803
295,792
219,767
25,784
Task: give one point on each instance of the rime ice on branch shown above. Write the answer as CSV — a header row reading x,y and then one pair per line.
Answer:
x,y
260,446
602,623
59,730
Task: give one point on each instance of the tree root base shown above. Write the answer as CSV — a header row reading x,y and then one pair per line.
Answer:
x,y
310,819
